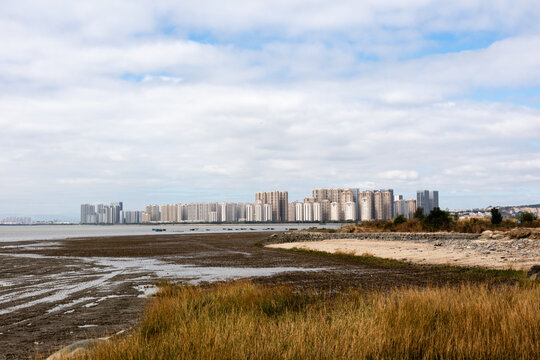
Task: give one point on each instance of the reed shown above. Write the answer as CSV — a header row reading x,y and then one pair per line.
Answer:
x,y
241,320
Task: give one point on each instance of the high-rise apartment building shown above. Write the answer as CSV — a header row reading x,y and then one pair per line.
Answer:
x,y
350,211
317,212
308,211
278,200
411,205
299,211
325,210
377,205
258,210
268,212
291,214
383,204
335,211
250,213
401,207
388,204
241,212
229,212
427,199
153,212
168,213
88,213
366,205
180,212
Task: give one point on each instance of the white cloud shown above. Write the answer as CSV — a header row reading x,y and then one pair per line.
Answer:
x,y
397,175
96,102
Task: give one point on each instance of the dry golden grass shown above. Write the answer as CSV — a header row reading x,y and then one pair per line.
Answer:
x,y
246,321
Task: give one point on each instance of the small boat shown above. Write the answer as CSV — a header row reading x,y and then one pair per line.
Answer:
x,y
158,230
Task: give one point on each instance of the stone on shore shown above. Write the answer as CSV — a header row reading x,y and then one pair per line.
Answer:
x,y
534,272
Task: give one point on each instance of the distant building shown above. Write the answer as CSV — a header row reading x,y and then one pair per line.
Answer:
x,y
279,202
132,217
350,211
325,210
291,213
229,212
258,211
388,204
102,214
168,213
88,214
308,211
334,211
16,220
241,212
268,212
401,207
341,196
153,212
383,204
317,212
366,205
411,205
378,205
427,199
250,213
213,216
299,211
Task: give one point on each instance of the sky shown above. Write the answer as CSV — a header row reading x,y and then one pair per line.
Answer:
x,y
178,101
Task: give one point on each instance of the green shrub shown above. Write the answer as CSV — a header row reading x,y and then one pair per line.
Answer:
x,y
400,219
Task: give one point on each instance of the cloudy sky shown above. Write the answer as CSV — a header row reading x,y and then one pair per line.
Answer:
x,y
176,101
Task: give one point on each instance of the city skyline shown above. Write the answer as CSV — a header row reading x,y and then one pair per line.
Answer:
x,y
150,101
325,205
74,215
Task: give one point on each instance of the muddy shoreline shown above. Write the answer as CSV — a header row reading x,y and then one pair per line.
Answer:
x,y
53,293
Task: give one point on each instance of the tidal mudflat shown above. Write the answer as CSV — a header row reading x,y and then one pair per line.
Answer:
x,y
56,292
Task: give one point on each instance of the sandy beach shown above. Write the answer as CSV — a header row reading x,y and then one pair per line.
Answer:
x,y
518,254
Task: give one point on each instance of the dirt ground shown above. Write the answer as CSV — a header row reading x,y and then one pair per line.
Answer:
x,y
53,293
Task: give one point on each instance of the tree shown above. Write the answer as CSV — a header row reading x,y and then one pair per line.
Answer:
x,y
437,219
419,213
527,216
496,217
400,219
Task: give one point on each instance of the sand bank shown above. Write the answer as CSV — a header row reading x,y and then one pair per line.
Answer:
x,y
495,254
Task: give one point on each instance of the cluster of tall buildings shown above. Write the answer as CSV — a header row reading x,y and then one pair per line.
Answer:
x,y
337,204
334,204
102,214
16,220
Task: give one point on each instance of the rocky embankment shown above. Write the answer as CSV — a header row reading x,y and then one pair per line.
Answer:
x,y
301,236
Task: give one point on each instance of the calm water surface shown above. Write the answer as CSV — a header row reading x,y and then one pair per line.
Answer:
x,y
50,232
